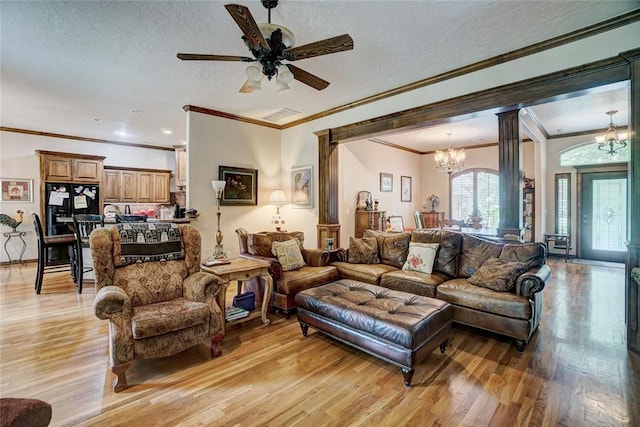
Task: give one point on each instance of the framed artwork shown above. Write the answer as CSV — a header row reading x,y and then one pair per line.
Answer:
x,y
396,223
241,188
405,188
386,182
302,186
17,190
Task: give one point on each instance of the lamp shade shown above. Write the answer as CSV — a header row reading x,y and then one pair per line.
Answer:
x,y
218,186
277,197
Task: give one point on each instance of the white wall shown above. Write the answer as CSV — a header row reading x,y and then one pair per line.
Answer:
x,y
360,165
19,160
213,141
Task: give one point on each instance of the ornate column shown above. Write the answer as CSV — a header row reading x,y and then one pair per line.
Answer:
x,y
510,173
633,246
328,219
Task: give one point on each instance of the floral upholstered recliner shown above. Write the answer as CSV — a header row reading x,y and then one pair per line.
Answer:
x,y
150,288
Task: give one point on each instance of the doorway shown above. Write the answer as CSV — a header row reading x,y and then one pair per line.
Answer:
x,y
603,216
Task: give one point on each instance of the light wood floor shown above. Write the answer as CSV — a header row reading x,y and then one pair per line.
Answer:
x,y
575,372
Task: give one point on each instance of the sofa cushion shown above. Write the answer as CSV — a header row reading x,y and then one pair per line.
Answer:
x,y
292,282
448,254
498,274
474,253
262,243
533,254
392,247
164,317
289,255
421,257
363,251
413,282
461,292
368,273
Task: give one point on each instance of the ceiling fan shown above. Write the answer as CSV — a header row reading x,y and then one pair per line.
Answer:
x,y
271,44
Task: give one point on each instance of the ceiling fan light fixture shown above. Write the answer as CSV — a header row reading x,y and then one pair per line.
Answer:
x,y
254,84
284,75
281,86
254,73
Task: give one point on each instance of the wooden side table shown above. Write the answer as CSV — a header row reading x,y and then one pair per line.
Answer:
x,y
559,238
241,270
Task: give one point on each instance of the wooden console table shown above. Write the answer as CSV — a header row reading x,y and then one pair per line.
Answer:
x,y
564,238
241,270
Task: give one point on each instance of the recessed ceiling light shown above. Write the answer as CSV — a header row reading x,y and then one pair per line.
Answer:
x,y
97,120
136,111
166,131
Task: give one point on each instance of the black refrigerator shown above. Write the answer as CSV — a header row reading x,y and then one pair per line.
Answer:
x,y
66,200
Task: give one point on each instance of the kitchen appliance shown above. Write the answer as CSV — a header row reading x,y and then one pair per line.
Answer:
x,y
63,200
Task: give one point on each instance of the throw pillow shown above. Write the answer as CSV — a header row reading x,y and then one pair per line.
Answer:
x,y
363,251
289,255
421,257
498,274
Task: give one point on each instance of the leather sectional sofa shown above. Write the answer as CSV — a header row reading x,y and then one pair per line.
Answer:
x,y
515,312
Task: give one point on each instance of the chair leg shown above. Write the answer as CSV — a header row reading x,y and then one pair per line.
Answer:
x,y
215,345
120,382
80,269
40,272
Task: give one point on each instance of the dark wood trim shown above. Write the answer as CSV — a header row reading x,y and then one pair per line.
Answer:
x,y
216,113
610,24
510,176
83,139
392,145
469,147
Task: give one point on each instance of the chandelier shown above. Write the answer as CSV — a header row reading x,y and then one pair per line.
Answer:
x,y
610,142
451,160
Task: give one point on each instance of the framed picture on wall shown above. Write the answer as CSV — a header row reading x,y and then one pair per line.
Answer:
x,y
386,182
241,188
17,190
302,187
405,188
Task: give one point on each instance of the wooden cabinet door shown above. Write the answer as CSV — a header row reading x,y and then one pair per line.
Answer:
x,y
161,187
129,191
58,169
145,187
112,185
86,170
181,165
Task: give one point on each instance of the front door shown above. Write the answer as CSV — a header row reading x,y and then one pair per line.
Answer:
x,y
603,226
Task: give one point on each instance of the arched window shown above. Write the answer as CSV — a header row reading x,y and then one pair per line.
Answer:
x,y
588,154
475,192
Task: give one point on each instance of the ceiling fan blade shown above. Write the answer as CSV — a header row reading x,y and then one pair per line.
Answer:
x,y
307,78
247,24
201,57
322,47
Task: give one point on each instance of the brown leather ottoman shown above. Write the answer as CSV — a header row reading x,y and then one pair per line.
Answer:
x,y
397,327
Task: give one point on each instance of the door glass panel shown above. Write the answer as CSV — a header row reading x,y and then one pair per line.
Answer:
x,y
609,214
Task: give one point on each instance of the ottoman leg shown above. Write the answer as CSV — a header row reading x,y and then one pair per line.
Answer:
x,y
305,329
443,346
407,374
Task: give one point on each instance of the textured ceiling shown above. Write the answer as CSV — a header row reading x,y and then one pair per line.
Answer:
x,y
81,68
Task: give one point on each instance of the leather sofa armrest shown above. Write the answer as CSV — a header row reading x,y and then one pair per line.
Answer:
x,y
533,281
315,257
275,268
342,254
110,302
201,286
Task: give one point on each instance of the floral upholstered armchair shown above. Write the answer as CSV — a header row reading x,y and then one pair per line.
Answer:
x,y
150,288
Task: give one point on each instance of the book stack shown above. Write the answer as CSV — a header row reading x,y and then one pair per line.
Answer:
x,y
234,313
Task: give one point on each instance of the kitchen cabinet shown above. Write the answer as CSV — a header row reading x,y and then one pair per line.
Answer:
x,y
126,185
181,165
369,220
70,167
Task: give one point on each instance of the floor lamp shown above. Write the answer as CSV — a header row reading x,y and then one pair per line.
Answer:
x,y
218,187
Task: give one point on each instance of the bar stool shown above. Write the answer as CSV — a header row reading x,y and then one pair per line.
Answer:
x,y
83,225
57,241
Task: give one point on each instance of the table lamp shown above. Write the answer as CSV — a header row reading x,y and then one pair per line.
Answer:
x,y
277,198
